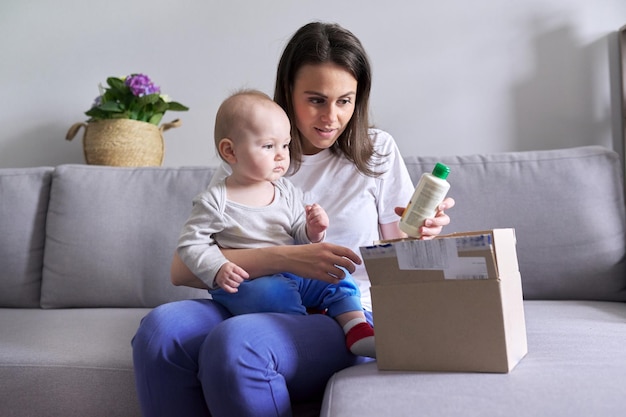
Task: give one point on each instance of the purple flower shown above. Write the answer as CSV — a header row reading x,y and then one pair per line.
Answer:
x,y
141,85
97,101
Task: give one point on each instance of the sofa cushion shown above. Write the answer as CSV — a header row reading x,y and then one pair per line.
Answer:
x,y
23,207
566,205
111,233
575,367
68,362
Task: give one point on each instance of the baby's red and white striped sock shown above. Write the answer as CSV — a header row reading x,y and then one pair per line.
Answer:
x,y
360,337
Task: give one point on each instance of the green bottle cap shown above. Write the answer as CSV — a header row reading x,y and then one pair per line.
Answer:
x,y
441,171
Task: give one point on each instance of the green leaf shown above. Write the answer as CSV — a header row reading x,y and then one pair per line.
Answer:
x,y
148,99
96,113
113,95
115,83
175,106
160,107
118,91
156,118
111,106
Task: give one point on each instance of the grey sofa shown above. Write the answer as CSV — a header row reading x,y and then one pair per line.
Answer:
x,y
85,253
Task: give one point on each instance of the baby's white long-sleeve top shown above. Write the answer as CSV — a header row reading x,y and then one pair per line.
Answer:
x,y
215,222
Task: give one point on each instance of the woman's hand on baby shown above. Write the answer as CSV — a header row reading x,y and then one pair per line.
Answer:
x,y
316,222
433,227
321,261
230,276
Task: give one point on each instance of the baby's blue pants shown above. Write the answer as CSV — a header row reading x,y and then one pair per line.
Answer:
x,y
289,293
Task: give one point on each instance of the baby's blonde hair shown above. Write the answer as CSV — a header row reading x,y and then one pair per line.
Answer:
x,y
231,113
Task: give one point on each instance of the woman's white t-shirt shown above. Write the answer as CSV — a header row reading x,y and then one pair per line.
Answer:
x,y
356,204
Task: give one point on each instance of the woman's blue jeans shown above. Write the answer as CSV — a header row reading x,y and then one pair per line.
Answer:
x,y
190,360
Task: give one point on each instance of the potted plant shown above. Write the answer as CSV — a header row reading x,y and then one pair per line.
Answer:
x,y
123,125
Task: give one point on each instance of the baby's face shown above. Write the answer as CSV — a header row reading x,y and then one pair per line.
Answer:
x,y
262,150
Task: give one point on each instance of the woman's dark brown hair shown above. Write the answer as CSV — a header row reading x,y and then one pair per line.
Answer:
x,y
319,43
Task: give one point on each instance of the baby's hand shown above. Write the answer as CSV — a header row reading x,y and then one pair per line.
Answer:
x,y
230,276
316,222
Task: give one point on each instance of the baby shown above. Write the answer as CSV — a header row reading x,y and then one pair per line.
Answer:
x,y
255,206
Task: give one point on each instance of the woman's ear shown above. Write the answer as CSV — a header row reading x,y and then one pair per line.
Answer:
x,y
226,149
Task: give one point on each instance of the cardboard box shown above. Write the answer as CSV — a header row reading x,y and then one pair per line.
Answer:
x,y
449,304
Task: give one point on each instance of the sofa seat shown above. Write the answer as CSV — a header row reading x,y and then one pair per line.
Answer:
x,y
575,366
81,359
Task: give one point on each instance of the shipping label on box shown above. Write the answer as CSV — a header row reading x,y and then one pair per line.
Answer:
x,y
449,304
462,257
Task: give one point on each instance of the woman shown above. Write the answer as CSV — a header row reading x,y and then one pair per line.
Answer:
x,y
188,359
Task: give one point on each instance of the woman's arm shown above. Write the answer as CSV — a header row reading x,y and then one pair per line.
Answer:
x,y
317,261
181,275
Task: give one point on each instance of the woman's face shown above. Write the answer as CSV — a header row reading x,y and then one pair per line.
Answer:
x,y
324,96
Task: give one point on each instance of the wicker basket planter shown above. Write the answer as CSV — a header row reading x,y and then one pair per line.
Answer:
x,y
122,142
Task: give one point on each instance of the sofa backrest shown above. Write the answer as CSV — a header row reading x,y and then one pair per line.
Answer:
x,y
566,205
23,206
111,233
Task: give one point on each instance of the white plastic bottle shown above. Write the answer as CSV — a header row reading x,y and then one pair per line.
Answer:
x,y
429,193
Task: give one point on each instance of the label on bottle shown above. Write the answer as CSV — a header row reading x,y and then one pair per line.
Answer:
x,y
429,196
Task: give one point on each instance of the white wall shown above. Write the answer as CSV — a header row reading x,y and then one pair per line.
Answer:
x,y
450,76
